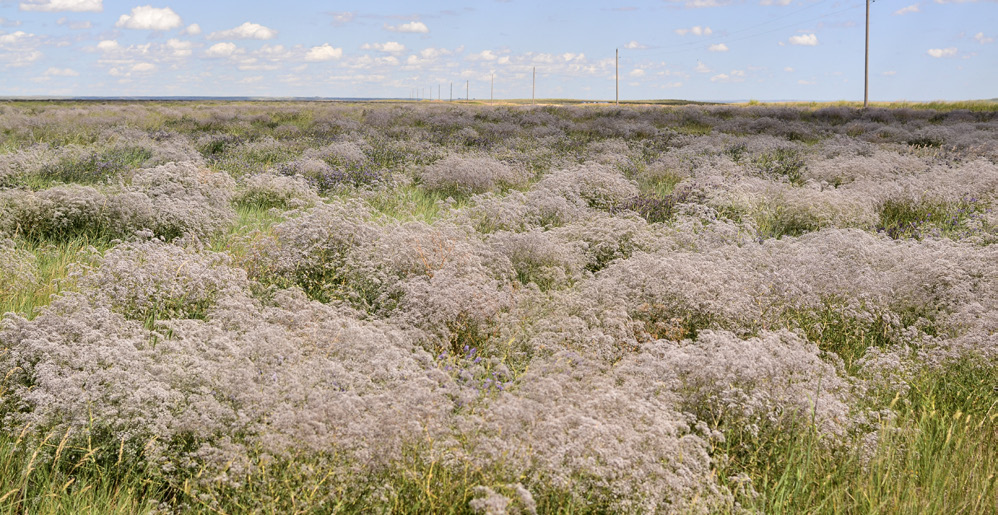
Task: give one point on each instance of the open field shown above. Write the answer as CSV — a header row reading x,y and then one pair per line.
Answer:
x,y
427,307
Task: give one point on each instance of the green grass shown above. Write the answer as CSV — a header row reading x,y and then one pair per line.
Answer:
x,y
54,261
939,455
413,203
913,218
53,477
95,168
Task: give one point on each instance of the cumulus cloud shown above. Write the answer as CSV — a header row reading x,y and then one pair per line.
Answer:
x,y
143,67
804,40
982,39
147,17
484,55
392,47
913,8
192,30
733,76
637,73
702,68
221,50
942,52
108,45
61,72
417,27
14,37
179,48
695,30
634,45
245,31
63,5
775,2
323,53
720,47
433,53
74,25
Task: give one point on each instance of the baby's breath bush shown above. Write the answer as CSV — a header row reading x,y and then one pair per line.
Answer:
x,y
693,309
466,174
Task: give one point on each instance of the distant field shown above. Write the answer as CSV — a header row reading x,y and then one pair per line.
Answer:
x,y
435,307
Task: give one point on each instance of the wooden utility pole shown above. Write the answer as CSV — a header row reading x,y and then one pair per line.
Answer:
x,y
438,92
533,89
452,91
492,90
467,89
616,75
866,74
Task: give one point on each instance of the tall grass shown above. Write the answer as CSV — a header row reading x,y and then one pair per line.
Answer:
x,y
55,260
937,455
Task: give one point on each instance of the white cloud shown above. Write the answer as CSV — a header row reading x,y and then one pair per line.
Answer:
x,y
192,30
637,73
108,45
221,50
706,3
4,22
942,52
733,76
889,73
775,2
415,26
804,40
392,47
14,37
695,30
147,17
179,48
982,39
62,5
343,17
803,82
143,67
484,55
433,53
61,72
74,25
323,53
913,8
720,47
634,45
702,68
245,31
788,69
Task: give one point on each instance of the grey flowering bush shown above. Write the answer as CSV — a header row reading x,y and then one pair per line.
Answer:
x,y
464,174
328,307
269,190
171,200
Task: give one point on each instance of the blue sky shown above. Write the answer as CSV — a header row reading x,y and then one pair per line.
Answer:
x,y
691,49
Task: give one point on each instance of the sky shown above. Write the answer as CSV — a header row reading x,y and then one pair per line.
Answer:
x,y
690,49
